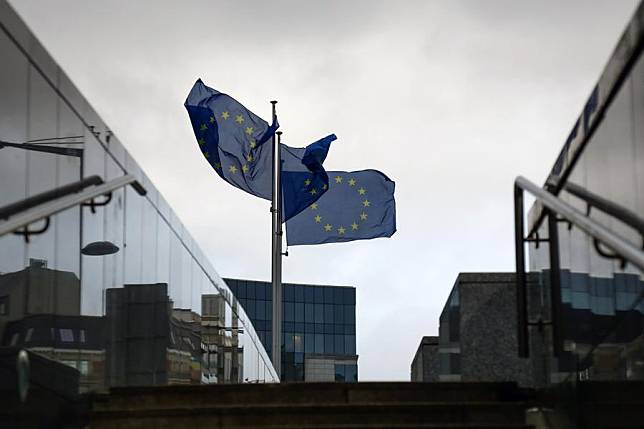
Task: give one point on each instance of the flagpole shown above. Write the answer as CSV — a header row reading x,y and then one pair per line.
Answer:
x,y
276,267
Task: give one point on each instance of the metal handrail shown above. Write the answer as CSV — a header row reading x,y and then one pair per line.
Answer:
x,y
45,210
557,209
579,219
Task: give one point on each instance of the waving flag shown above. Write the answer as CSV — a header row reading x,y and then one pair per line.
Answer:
x,y
233,140
358,205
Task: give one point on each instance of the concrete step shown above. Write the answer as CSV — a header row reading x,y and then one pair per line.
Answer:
x,y
312,416
614,414
162,397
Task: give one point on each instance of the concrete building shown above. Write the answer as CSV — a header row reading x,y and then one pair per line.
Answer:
x,y
425,366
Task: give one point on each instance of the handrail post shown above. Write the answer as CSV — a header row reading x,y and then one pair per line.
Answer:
x,y
522,317
555,283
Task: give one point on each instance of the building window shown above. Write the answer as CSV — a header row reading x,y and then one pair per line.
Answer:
x,y
4,305
81,336
30,332
83,367
66,335
14,338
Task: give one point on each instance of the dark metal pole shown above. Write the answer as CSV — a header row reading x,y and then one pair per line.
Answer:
x,y
276,268
522,316
555,283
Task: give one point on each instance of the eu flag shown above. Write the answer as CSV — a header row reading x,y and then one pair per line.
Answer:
x,y
232,139
358,205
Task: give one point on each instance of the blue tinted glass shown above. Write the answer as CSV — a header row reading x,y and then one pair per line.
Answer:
x,y
241,289
338,329
349,295
250,308
262,288
289,312
309,343
319,313
338,295
298,326
328,344
350,314
319,343
309,293
351,373
350,344
328,328
350,329
309,328
338,316
288,342
288,327
298,342
260,310
338,344
328,313
299,312
299,293
339,373
268,291
299,358
309,313
269,310
328,295
318,328
289,294
319,294
250,290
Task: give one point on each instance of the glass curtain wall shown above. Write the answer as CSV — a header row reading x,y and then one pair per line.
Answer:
x,y
601,298
79,309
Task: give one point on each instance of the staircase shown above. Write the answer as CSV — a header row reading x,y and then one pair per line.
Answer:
x,y
313,405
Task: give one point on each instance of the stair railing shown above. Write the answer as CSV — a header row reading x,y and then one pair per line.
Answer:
x,y
557,211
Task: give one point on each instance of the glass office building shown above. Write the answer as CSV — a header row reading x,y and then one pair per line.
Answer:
x,y
141,304
318,325
600,172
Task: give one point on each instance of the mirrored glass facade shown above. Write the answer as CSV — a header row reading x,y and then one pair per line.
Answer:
x,y
319,327
602,311
154,312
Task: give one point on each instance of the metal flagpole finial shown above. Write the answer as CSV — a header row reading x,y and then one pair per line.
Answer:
x,y
273,101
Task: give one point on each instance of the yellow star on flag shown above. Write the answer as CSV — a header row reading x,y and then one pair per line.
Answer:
x,y
354,226
212,119
232,169
245,168
201,141
217,165
203,127
363,216
338,179
366,203
318,219
361,191
253,144
324,187
206,154
328,227
249,157
239,119
249,130
341,230
313,191
314,206
307,182
352,182
225,115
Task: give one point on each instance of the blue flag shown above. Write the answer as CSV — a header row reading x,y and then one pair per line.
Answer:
x,y
358,205
233,140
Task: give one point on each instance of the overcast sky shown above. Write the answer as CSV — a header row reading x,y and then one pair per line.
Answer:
x,y
450,99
